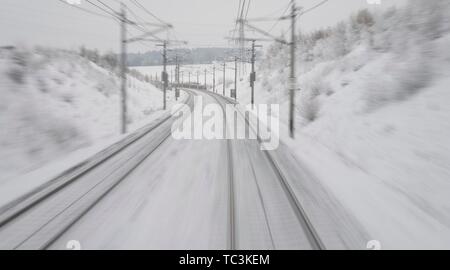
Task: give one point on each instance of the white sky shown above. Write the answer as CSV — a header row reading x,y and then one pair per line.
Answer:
x,y
201,22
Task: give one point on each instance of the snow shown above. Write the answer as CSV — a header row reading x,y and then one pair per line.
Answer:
x,y
372,118
159,207
189,202
373,121
13,188
56,109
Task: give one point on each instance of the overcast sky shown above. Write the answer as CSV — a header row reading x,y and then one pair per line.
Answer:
x,y
203,23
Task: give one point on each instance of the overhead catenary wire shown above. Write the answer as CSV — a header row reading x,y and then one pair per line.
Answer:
x,y
142,22
278,21
248,8
240,18
287,31
107,6
239,9
88,11
141,42
137,18
139,5
313,7
304,12
237,19
274,12
242,9
104,10
138,23
239,12
112,14
241,41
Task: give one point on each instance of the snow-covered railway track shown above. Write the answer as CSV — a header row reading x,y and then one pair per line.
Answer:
x,y
40,217
232,241
308,229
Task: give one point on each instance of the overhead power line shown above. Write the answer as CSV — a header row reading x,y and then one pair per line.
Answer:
x,y
135,2
87,10
243,8
248,8
278,21
108,7
237,19
313,8
135,16
306,11
239,9
102,9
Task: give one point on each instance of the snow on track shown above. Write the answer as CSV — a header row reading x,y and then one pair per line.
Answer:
x,y
163,193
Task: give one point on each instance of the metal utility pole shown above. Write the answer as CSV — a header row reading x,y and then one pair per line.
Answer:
x,y
123,60
205,79
292,78
164,74
214,79
235,77
143,37
292,44
176,72
177,76
253,74
198,83
189,79
224,68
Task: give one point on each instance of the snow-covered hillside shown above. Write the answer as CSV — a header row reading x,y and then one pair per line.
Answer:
x,y
53,102
373,117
